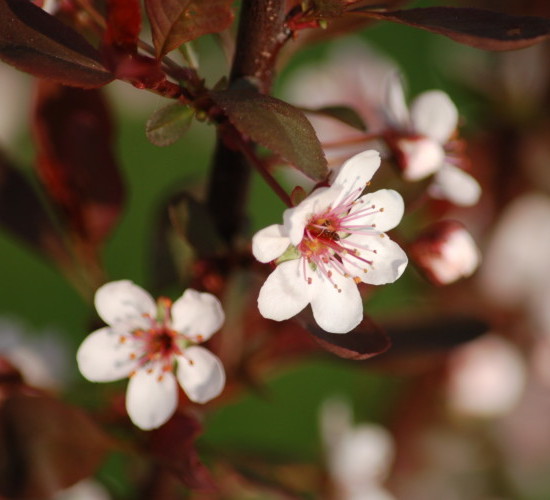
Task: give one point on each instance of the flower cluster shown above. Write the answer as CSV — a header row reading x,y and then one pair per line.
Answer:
x,y
421,138
327,244
143,341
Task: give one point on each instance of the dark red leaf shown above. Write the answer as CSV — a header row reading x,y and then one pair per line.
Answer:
x,y
123,24
76,160
276,125
173,445
336,26
23,214
35,42
45,446
363,342
120,44
479,28
175,22
433,334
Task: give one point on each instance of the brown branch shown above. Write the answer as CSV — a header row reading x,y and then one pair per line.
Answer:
x,y
262,33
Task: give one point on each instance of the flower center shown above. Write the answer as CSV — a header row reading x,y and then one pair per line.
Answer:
x,y
158,344
327,247
161,343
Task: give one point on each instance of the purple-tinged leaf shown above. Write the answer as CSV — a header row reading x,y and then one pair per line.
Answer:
x,y
483,29
175,22
76,158
276,125
436,334
46,446
39,44
363,342
23,214
335,26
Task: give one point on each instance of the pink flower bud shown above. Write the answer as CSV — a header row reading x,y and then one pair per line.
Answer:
x,y
445,252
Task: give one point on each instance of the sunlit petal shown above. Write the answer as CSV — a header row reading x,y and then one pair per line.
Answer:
x,y
337,305
197,315
354,175
200,374
457,186
285,292
269,243
105,356
434,114
381,210
387,259
151,397
120,301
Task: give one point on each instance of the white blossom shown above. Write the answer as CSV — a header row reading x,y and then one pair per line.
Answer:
x,y
144,339
423,138
330,242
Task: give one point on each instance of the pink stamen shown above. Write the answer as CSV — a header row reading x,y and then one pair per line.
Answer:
x,y
325,247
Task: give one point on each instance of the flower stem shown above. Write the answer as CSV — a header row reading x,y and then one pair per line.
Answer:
x,y
351,140
250,154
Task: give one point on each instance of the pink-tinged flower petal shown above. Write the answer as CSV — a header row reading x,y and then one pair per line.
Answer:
x,y
387,257
105,356
151,397
51,6
123,301
453,184
197,315
421,157
296,218
200,374
336,310
433,114
396,106
285,292
387,212
269,243
354,175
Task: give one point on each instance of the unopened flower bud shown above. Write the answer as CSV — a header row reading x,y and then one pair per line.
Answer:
x,y
446,252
